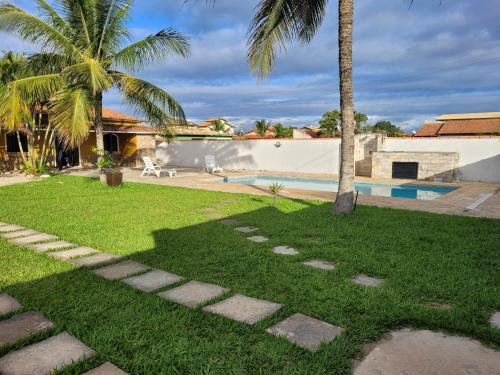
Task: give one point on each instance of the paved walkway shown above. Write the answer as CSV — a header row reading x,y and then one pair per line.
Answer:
x,y
454,203
407,352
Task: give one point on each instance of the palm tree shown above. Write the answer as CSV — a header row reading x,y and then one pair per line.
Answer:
x,y
262,126
278,23
219,126
80,60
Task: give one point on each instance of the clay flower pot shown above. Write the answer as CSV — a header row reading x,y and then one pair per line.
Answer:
x,y
111,177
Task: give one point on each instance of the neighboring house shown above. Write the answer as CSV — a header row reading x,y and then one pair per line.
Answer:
x,y
253,134
307,132
210,124
124,137
193,131
462,124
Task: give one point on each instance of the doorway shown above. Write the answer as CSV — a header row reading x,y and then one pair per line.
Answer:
x,y
66,157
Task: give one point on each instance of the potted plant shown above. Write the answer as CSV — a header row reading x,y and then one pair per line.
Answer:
x,y
110,174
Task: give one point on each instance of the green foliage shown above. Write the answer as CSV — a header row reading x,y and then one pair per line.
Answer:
x,y
262,127
35,167
84,41
275,188
104,160
384,127
331,122
282,131
219,126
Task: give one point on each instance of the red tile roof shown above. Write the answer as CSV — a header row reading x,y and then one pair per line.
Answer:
x,y
429,129
253,134
477,126
461,126
210,122
110,115
132,129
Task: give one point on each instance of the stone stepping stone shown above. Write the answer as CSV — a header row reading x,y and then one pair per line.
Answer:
x,y
285,250
321,264
46,356
8,304
152,280
10,228
2,224
21,233
495,320
106,369
193,293
68,254
306,332
257,239
42,237
21,326
229,222
439,305
48,246
246,229
425,352
214,215
96,260
367,280
120,270
244,309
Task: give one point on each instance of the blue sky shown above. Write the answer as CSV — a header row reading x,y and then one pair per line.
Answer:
x,y
411,63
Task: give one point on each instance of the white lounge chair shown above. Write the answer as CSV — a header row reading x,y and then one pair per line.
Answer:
x,y
157,170
211,166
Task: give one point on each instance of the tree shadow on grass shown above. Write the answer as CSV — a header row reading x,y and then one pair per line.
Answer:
x,y
144,334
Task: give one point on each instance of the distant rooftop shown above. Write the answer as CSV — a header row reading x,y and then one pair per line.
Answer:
x,y
485,123
469,116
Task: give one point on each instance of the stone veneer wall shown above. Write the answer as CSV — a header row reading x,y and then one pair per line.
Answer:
x,y
146,146
431,165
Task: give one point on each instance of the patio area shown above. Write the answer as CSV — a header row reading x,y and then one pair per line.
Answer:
x,y
454,203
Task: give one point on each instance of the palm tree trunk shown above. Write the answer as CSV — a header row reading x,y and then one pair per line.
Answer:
x,y
98,125
344,204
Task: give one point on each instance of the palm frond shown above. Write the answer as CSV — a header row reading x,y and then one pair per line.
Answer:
x,y
117,34
150,101
155,47
53,18
152,48
72,115
89,74
107,11
48,63
278,23
33,29
12,108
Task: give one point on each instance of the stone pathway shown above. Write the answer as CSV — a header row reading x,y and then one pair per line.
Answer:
x,y
121,270
285,250
321,264
244,309
246,229
22,233
96,260
106,369
42,237
73,253
367,280
258,239
193,293
46,356
306,332
8,304
425,352
44,247
22,326
153,280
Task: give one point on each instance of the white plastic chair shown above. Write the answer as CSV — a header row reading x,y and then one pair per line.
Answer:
x,y
211,166
157,170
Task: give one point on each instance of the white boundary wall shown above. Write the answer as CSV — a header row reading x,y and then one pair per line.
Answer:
x,y
479,158
307,156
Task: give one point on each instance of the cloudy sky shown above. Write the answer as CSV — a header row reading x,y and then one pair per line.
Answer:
x,y
411,63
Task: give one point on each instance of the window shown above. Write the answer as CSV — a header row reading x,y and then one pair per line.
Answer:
x,y
13,144
111,143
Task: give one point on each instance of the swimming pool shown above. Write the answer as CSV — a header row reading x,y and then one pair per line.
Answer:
x,y
422,192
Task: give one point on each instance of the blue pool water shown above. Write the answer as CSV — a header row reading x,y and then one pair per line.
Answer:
x,y
423,192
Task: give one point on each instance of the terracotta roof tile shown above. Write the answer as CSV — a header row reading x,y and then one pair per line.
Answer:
x,y
429,129
478,126
110,115
133,129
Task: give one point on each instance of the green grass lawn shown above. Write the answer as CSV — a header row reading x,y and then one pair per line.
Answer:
x,y
422,257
